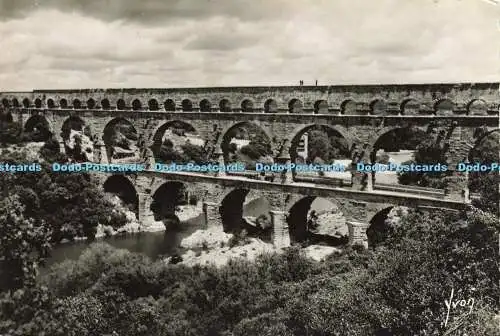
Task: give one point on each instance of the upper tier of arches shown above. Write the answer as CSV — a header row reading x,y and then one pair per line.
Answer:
x,y
348,106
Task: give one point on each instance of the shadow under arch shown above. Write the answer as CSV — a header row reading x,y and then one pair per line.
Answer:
x,y
121,186
166,200
74,123
119,133
40,125
378,229
231,210
303,224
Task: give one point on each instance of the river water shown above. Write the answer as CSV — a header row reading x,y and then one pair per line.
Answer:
x,y
156,244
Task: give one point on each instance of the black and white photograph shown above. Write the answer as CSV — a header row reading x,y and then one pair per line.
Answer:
x,y
249,167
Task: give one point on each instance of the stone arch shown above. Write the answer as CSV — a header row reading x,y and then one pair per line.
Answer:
x,y
105,104
41,124
410,107
187,105
169,105
136,105
77,104
38,103
378,107
348,107
270,106
295,106
160,130
247,106
120,104
5,102
477,107
444,107
225,105
50,103
26,103
91,103
231,210
72,123
153,105
165,200
123,188
63,103
229,128
334,128
378,230
321,107
205,106
302,228
15,102
128,139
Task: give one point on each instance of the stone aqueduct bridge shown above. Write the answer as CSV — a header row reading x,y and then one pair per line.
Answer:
x,y
458,115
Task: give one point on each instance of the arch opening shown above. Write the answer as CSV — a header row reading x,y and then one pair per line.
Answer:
x,y
205,106
120,104
91,104
270,106
317,220
410,107
383,224
15,102
38,103
321,107
477,107
295,106
105,104
77,104
225,105
50,103
77,139
179,142
153,105
246,143
378,107
444,107
167,202
187,105
26,103
320,144
5,102
348,107
247,106
123,193
38,128
63,103
407,146
169,105
136,105
120,139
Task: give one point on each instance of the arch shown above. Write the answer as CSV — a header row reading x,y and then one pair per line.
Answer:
x,y
166,199
153,105
410,107
225,105
250,124
169,105
77,104
321,107
122,187
38,103
90,103
205,106
480,135
160,130
15,102
40,126
295,106
63,103
348,107
298,150
120,133
304,228
5,102
120,104
26,103
378,107
105,104
477,107
136,105
296,134
378,229
231,210
50,103
247,106
270,106
72,123
444,107
187,105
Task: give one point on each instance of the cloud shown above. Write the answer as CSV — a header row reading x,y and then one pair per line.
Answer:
x,y
83,44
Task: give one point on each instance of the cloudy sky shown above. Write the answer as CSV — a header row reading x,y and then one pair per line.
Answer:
x,y
179,43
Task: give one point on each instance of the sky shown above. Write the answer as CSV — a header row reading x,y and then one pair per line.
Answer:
x,y
64,44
